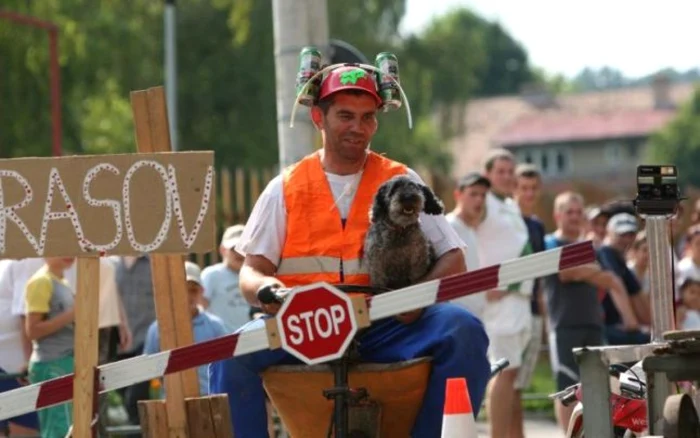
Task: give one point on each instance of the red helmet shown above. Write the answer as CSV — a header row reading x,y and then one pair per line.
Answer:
x,y
349,78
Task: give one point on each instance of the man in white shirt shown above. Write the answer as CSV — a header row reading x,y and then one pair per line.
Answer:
x,y
310,223
503,236
470,199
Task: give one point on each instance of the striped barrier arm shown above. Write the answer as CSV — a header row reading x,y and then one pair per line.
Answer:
x,y
146,367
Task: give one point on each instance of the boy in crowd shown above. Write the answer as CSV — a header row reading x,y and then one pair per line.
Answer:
x,y
573,303
49,326
528,188
204,325
470,200
501,236
222,294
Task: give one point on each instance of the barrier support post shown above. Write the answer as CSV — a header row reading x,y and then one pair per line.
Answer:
x,y
86,347
168,271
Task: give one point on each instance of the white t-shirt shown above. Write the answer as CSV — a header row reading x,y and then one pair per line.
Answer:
x,y
502,236
11,350
264,233
475,303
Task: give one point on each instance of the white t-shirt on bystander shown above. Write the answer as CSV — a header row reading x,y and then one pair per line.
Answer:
x,y
475,303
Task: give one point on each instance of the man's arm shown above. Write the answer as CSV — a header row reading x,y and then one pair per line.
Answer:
x,y
593,274
450,263
258,271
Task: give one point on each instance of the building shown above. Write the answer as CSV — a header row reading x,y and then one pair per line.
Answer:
x,y
594,137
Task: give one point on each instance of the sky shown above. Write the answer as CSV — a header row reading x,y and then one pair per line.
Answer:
x,y
636,37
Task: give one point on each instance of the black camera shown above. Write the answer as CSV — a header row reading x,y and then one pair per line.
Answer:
x,y
657,190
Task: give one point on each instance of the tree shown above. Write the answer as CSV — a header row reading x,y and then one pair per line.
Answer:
x,y
679,143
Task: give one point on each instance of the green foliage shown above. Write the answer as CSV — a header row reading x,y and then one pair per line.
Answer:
x,y
226,74
679,143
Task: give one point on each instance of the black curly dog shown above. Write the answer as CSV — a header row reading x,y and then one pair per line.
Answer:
x,y
396,251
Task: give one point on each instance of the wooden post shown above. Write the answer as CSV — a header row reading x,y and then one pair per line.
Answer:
x,y
241,214
226,207
168,271
87,309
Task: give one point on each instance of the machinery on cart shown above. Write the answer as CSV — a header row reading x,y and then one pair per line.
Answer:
x,y
671,356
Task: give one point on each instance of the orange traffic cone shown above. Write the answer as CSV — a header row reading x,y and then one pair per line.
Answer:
x,y
458,418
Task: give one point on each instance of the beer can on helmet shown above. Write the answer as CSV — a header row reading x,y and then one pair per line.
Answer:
x,y
388,64
309,64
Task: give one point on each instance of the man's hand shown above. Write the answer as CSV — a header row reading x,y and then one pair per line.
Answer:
x,y
495,295
270,303
409,317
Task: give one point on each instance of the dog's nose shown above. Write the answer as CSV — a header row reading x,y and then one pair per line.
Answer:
x,y
408,197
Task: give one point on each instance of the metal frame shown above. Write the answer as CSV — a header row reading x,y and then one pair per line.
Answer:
x,y
594,362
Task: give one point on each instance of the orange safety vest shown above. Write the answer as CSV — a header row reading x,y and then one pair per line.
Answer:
x,y
317,247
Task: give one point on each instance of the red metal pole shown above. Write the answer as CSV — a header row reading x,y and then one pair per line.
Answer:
x,y
55,93
54,72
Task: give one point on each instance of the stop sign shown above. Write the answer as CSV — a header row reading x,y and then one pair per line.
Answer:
x,y
316,323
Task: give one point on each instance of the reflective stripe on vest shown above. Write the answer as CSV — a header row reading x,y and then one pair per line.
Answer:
x,y
324,264
316,241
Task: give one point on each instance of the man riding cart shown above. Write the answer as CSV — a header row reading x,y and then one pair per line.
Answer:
x,y
309,225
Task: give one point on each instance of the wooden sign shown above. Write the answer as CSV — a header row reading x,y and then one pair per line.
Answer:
x,y
125,204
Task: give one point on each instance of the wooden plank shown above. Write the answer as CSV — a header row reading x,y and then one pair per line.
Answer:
x,y
199,417
241,213
168,272
86,346
226,205
221,415
154,418
254,186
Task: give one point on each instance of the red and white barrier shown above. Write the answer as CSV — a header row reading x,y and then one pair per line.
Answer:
x,y
143,368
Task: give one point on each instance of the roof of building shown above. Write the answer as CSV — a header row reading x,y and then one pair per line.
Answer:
x,y
563,127
489,121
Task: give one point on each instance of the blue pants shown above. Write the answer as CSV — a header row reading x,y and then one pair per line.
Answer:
x,y
451,335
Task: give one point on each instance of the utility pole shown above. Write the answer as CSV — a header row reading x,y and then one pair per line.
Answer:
x,y
171,69
296,24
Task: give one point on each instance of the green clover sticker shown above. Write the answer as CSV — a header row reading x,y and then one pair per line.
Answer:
x,y
351,76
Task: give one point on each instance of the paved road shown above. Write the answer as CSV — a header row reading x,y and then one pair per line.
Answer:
x,y
534,428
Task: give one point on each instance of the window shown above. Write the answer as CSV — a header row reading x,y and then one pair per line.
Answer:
x,y
552,160
612,153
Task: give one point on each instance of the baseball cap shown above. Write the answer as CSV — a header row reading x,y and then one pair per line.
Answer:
x,y
473,178
349,78
193,273
593,212
232,235
622,223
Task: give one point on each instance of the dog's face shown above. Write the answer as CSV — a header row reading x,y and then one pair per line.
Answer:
x,y
400,200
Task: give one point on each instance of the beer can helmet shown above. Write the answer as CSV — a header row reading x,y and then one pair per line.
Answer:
x,y
349,78
315,82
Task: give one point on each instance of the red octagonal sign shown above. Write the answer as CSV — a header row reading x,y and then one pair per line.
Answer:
x,y
317,323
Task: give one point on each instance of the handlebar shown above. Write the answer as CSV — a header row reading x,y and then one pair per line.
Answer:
x,y
272,293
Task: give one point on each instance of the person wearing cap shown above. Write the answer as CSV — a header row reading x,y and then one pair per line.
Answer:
x,y
597,220
470,196
205,326
621,233
222,292
309,225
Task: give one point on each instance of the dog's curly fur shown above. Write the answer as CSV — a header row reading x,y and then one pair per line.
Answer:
x,y
396,251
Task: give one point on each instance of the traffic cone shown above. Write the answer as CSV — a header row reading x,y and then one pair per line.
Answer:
x,y
458,418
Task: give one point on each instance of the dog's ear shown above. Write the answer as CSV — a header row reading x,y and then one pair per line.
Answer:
x,y
433,204
380,207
